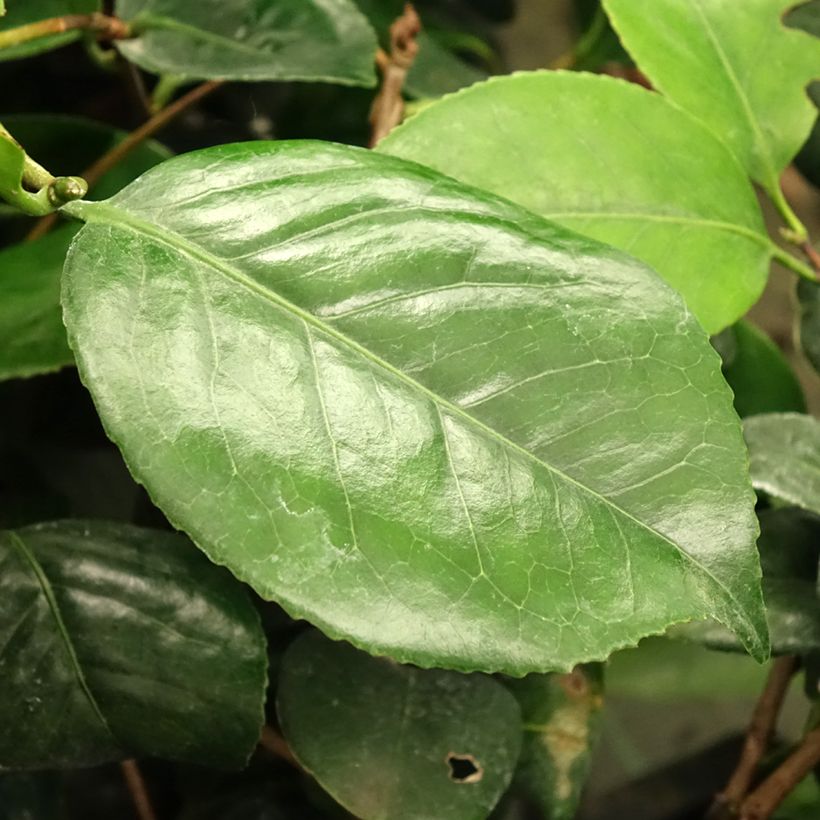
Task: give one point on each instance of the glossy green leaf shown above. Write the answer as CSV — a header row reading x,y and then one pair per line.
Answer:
x,y
392,741
32,335
561,716
324,40
735,66
759,375
23,12
784,453
412,413
118,641
435,71
789,551
646,178
808,327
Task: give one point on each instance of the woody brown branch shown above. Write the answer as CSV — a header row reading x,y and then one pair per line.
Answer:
x,y
388,107
106,27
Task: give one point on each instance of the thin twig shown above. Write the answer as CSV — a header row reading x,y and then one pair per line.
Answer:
x,y
277,745
812,255
762,802
758,736
388,107
136,787
119,152
108,28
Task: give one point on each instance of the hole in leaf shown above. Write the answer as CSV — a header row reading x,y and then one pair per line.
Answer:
x,y
464,768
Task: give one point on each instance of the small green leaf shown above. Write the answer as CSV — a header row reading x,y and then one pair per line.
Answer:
x,y
417,415
435,71
789,551
613,161
735,66
324,40
392,741
32,335
23,12
759,375
118,641
784,452
561,717
808,297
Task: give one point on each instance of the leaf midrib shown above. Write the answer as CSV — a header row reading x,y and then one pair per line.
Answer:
x,y
54,608
91,212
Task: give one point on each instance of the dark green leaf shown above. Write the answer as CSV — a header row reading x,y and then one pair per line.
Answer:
x,y
735,67
328,40
118,641
808,297
647,178
27,796
32,336
759,374
22,12
784,452
435,71
412,413
789,551
392,741
561,716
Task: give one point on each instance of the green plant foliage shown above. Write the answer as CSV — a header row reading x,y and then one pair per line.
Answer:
x,y
420,754
784,453
808,321
119,641
435,71
324,40
419,416
32,335
759,375
789,551
715,59
561,717
23,12
647,178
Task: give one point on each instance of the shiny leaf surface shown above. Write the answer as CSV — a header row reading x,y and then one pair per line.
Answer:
x,y
32,335
323,40
561,716
759,375
118,641
646,177
422,753
784,452
416,415
735,66
23,12
808,298
789,547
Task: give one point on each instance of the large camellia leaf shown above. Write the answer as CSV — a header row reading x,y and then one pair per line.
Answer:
x,y
735,66
117,641
421,753
613,161
417,415
325,40
784,453
32,335
23,12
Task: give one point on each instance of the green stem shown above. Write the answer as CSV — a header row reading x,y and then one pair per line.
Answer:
x,y
34,175
793,263
796,232
109,27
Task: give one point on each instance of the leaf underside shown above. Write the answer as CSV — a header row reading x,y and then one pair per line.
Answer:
x,y
320,40
119,641
615,162
419,416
